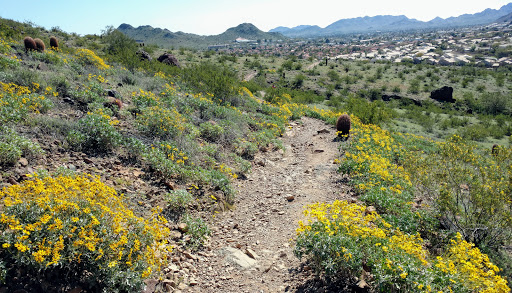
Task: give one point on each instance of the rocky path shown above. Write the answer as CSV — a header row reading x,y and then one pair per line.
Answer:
x,y
250,249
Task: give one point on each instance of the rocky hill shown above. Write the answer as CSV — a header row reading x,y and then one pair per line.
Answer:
x,y
166,38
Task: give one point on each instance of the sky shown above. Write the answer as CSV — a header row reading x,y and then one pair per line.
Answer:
x,y
208,17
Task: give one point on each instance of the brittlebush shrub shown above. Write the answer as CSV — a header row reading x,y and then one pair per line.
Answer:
x,y
470,189
76,231
88,57
342,240
95,133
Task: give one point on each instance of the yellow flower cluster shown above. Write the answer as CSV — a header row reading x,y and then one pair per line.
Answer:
x,y
174,154
160,74
466,264
226,170
98,78
21,97
88,57
372,153
355,235
100,112
162,121
57,221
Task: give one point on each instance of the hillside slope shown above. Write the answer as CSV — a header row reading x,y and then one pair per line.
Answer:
x,y
166,38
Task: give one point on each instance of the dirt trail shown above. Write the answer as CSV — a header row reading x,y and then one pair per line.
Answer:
x,y
311,66
250,76
269,204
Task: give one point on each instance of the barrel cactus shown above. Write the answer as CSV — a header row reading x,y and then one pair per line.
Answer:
x,y
30,44
343,125
39,45
54,43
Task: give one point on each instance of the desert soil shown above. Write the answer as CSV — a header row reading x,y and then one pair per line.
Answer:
x,y
251,247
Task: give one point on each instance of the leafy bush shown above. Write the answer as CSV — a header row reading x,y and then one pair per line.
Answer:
x,y
369,112
220,81
17,101
88,57
95,133
179,199
475,200
198,231
344,240
211,131
161,122
73,231
13,146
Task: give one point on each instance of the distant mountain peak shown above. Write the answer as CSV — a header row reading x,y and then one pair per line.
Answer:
x,y
125,26
381,23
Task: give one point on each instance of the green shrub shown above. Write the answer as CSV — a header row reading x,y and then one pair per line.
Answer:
x,y
179,199
95,133
475,201
198,231
211,131
13,146
475,132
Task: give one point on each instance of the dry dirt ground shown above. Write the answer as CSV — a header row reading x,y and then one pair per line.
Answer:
x,y
251,247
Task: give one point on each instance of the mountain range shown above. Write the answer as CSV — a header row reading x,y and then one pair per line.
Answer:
x,y
393,23
166,38
382,23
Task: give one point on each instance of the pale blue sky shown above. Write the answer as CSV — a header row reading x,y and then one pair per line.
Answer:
x,y
208,17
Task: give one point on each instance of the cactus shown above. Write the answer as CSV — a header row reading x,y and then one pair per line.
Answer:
x,y
343,125
39,45
30,44
495,151
54,43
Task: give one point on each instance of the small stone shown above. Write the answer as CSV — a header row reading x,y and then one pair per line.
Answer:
x,y
72,167
290,197
88,161
42,66
362,285
175,235
189,255
182,286
193,282
317,151
68,100
261,162
23,162
370,209
322,131
150,285
251,253
173,268
183,227
170,284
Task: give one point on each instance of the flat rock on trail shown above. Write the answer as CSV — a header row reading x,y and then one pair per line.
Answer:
x,y
251,248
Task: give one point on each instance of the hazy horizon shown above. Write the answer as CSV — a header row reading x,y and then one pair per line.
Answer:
x,y
211,18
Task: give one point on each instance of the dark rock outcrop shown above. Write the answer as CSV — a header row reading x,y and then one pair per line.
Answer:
x,y
169,59
444,94
144,56
388,98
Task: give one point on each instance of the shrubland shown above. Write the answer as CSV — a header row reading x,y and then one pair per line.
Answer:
x,y
433,213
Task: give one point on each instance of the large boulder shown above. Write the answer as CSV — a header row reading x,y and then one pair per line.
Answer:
x,y
444,94
169,59
143,55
